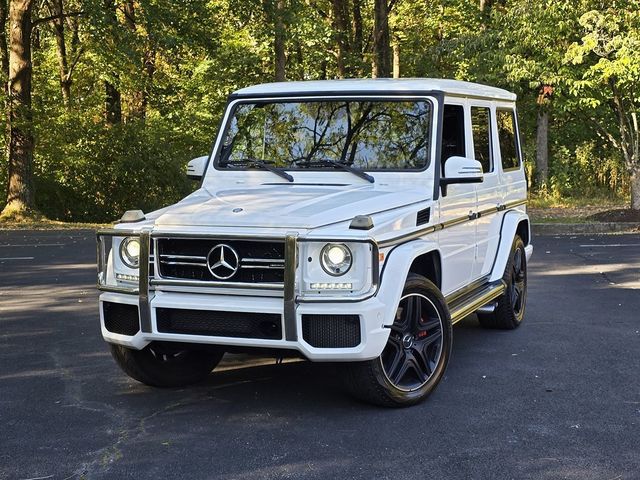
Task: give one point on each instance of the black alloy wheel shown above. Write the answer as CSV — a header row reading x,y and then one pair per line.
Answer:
x,y
415,343
510,306
415,357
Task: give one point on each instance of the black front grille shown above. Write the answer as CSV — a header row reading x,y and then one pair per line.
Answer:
x,y
331,331
188,259
121,318
219,324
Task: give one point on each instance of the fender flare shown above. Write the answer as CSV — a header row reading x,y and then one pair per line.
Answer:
x,y
510,222
396,270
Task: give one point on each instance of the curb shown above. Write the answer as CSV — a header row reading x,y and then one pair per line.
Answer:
x,y
584,228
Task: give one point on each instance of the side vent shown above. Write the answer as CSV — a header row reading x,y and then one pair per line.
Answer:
x,y
423,216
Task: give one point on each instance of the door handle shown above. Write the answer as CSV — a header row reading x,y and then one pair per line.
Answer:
x,y
473,215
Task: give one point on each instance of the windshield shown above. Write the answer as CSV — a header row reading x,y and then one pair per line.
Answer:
x,y
297,135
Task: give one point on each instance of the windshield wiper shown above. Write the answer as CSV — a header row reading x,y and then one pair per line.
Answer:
x,y
261,164
346,168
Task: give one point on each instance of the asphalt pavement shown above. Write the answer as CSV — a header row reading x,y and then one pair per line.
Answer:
x,y
557,398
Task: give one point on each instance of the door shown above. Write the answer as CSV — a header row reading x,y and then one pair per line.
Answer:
x,y
457,242
489,191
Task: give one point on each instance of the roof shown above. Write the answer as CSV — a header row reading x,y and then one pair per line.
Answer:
x,y
378,85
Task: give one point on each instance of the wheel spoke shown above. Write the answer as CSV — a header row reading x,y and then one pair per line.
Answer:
x,y
430,339
432,323
417,312
421,373
421,353
517,261
398,367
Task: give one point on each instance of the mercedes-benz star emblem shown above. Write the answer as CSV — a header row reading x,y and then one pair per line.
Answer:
x,y
223,261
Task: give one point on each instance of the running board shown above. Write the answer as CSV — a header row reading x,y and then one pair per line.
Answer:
x,y
461,306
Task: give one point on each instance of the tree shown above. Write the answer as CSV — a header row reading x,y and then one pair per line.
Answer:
x,y
610,75
20,152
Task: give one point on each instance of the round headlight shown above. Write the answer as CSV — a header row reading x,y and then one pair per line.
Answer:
x,y
130,252
336,259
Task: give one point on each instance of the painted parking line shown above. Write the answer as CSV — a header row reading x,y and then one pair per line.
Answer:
x,y
15,258
34,245
611,245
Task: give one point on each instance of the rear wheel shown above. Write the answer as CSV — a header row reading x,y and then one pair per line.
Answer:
x,y
510,306
416,355
163,364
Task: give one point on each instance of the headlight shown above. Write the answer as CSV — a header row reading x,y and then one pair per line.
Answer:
x,y
130,252
336,259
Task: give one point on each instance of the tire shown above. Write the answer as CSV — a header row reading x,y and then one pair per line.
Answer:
x,y
164,364
416,355
509,311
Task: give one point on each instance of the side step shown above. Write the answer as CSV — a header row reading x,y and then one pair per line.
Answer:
x,y
461,306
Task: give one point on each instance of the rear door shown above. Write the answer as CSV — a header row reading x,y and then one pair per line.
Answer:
x,y
489,191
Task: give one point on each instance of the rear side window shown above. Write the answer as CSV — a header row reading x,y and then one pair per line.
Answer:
x,y
507,139
481,125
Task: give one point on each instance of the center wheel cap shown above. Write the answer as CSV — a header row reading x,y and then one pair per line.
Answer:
x,y
407,340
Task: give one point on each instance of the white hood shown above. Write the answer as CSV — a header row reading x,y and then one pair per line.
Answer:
x,y
284,206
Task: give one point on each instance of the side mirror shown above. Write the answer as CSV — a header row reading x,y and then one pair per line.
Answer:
x,y
195,168
461,170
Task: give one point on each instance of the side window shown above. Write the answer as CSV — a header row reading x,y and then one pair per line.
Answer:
x,y
453,132
481,125
507,139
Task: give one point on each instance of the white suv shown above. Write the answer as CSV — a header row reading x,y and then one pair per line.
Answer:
x,y
347,221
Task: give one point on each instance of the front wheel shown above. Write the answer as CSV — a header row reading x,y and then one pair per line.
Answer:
x,y
416,355
164,364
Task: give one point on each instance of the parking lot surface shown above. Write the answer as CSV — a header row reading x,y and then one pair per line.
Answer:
x,y
557,398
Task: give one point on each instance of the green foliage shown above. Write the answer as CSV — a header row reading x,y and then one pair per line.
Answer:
x,y
94,173
174,62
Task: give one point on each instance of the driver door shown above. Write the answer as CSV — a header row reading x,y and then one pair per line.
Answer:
x,y
457,239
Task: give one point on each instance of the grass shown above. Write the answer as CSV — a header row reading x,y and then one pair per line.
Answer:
x,y
50,225
552,209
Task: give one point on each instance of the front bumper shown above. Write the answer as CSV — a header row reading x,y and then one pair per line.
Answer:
x,y
371,312
152,295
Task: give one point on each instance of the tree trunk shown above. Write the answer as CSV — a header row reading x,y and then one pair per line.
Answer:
x,y
396,59
113,98
542,147
57,8
629,140
4,75
358,41
19,191
112,104
485,6
381,44
340,23
4,53
136,101
279,42
635,189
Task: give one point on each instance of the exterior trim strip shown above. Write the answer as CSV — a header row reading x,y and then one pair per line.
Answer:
x,y
449,223
143,288
194,283
290,267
